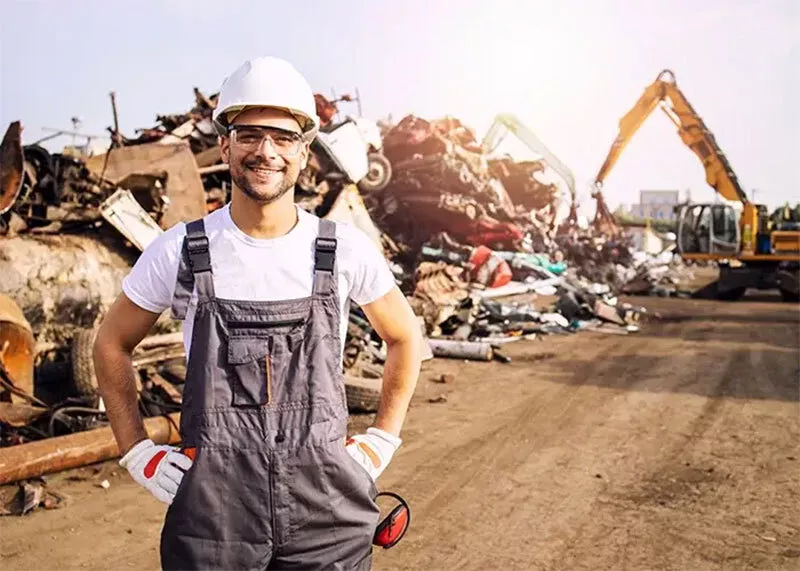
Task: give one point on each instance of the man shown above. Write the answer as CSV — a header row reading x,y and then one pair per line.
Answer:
x,y
263,478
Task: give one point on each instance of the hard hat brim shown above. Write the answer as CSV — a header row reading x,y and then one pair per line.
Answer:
x,y
225,117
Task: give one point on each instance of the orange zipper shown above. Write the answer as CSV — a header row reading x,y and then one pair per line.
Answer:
x,y
269,380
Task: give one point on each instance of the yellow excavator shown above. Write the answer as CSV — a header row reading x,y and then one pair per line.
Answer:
x,y
750,250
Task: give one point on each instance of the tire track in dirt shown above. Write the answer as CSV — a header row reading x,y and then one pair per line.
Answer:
x,y
683,485
634,412
531,503
439,507
667,475
562,415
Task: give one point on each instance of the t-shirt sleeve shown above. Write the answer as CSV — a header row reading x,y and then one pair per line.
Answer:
x,y
151,282
372,278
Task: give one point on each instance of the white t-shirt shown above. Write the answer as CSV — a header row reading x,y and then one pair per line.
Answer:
x,y
247,268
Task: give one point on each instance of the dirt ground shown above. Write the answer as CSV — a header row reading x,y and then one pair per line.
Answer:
x,y
672,448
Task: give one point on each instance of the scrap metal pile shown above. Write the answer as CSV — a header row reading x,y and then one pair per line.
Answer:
x,y
466,228
51,192
441,180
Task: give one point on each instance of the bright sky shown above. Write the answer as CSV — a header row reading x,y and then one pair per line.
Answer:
x,y
569,68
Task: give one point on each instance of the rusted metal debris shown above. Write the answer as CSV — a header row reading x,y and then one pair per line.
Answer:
x,y
440,290
194,127
28,496
523,188
63,283
18,415
52,192
58,192
76,407
10,388
162,178
440,283
11,165
17,348
441,181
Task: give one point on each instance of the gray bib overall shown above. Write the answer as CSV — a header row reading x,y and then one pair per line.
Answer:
x,y
272,486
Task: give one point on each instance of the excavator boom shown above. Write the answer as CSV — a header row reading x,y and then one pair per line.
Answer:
x,y
628,126
695,135
691,129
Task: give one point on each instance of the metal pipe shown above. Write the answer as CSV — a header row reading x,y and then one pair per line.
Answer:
x,y
34,459
473,350
115,136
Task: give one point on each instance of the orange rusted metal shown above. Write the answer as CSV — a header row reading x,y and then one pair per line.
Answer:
x,y
17,348
11,164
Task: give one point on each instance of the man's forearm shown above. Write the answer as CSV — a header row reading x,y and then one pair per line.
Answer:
x,y
117,381
400,375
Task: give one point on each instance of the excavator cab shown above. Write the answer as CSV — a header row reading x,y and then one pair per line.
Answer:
x,y
708,229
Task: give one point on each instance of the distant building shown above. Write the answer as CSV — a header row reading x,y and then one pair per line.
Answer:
x,y
644,239
656,204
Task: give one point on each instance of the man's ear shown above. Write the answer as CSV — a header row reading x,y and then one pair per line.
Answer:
x,y
225,148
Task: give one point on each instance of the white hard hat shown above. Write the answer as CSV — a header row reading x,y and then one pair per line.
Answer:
x,y
267,82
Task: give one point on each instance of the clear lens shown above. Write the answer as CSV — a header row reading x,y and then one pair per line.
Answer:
x,y
250,138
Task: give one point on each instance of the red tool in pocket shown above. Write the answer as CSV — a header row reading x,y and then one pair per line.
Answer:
x,y
393,527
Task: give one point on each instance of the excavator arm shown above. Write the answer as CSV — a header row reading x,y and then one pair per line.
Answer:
x,y
628,126
691,129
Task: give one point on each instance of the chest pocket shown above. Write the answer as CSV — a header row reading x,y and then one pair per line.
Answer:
x,y
249,370
261,356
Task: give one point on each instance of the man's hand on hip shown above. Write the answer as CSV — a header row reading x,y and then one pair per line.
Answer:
x,y
373,450
159,469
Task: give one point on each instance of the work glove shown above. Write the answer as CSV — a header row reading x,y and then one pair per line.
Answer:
x,y
373,450
159,469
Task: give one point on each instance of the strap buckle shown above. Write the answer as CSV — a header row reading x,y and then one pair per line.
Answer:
x,y
325,254
199,258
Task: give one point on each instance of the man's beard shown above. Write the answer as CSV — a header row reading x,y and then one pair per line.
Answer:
x,y
266,196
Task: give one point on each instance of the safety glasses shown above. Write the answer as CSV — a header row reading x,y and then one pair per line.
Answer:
x,y
251,137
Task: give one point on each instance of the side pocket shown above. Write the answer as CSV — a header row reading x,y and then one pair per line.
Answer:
x,y
185,480
180,510
361,473
249,370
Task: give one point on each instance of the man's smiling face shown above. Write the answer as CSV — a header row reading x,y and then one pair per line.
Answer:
x,y
265,153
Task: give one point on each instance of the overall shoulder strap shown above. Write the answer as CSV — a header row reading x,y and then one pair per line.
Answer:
x,y
325,269
195,267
